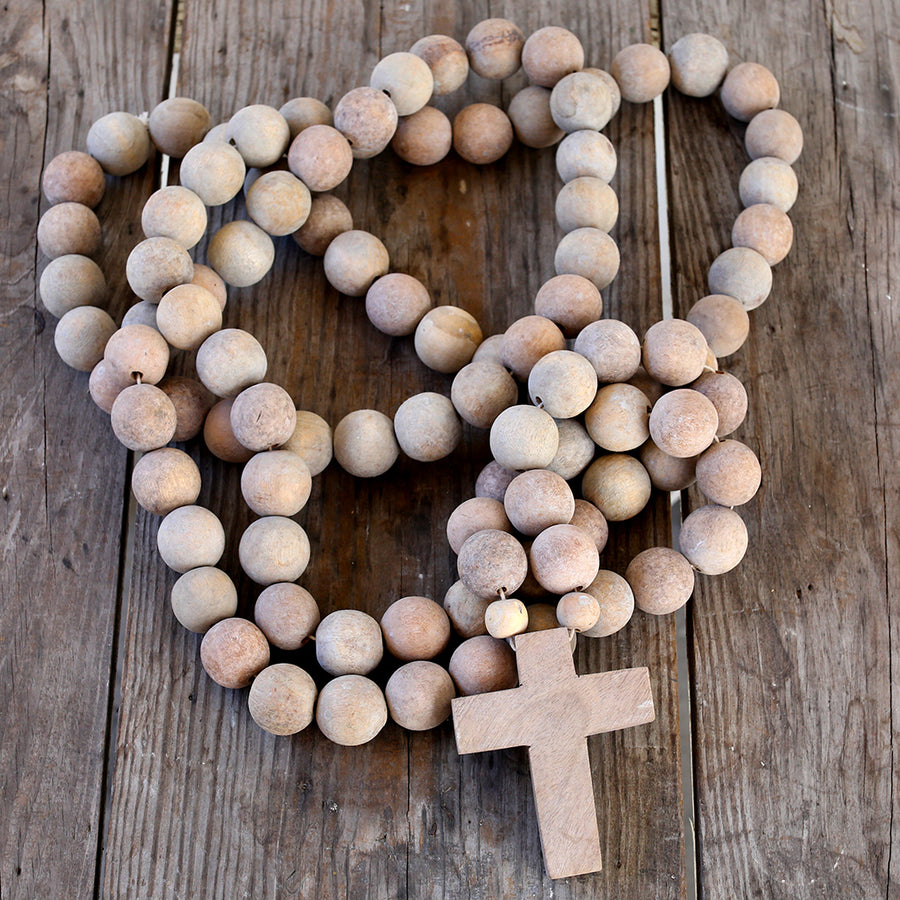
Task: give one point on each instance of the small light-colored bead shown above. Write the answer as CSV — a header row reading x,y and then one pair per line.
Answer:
x,y
446,338
491,562
483,664
190,537
474,515
214,171
481,391
415,628
260,134
218,436
592,522
590,253
728,396
581,102
287,614
351,710
714,539
304,112
741,273
274,549
578,611
328,217
263,416
349,642
674,352
424,138
537,499
278,202
447,60
234,652
368,120
406,79
564,558
73,177
587,202
177,124
276,483
364,443
155,266
563,383
683,423
698,63
282,699
572,302
466,610
493,480
723,321
353,260
241,253
495,47
529,112
774,132
768,180
138,352
662,580
524,437
143,417
105,384
729,473
616,603
395,303
618,485
668,473
202,597
165,479
526,341
187,315
612,348
191,401
575,450
550,54
642,72
586,153
418,695
120,142
427,427
68,228
748,89
482,133
618,418
230,361
177,213
320,157
71,281
506,618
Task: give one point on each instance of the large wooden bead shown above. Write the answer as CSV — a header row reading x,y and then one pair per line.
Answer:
x,y
353,260
427,427
189,537
524,437
581,102
592,522
612,348
177,124
550,54
218,436
365,444
616,601
662,580
274,549
234,652
351,710
618,418
68,228
138,352
714,539
729,473
641,71
765,229
506,618
447,60
395,303
278,202
287,614
260,134
741,273
774,132
241,252
418,695
415,628
230,361
618,485
120,142
202,597
537,499
263,416
482,133
214,171
723,321
698,63
328,217
466,610
320,157
105,384
349,641
141,313
495,47
304,112
493,480
526,341
482,664
474,515
70,281
588,252
155,266
177,213
563,383
668,473
564,558
143,417
446,338
683,423
768,180
570,301
276,483
587,202
529,112
311,441
728,396
748,89
187,315
368,119
575,450
490,350
205,277
481,391
674,352
491,562
586,153
282,699
424,138
81,336
578,611
73,177
165,479
406,79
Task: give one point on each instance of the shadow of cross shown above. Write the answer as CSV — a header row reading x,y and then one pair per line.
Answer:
x,y
552,712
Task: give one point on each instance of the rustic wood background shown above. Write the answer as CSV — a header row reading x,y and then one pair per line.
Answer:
x,y
125,773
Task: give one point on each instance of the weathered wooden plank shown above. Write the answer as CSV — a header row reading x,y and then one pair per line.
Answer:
x,y
792,651
63,65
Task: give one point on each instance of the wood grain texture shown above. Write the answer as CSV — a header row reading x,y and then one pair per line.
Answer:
x,y
793,651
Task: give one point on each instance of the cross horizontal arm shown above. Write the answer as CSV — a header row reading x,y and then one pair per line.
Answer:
x,y
491,722
614,700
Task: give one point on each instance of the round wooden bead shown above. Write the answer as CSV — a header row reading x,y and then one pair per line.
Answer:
x,y
446,338
328,217
177,124
723,321
274,549
73,177
616,601
241,252
542,617
348,642
526,341
578,611
774,132
482,133
537,499
768,180
418,695
612,348
415,628
472,516
506,618
586,153
311,441
138,352
202,597
218,436
234,652
698,63
587,202
395,303
187,315
282,699
353,260
618,485
481,391
68,228
667,473
351,710
276,483
143,417
447,60
489,350
714,539
674,352
120,142
728,396
217,133
424,138
683,423
575,450
524,437
71,281
287,614
495,47
427,427
493,480
650,386
368,119
618,418
492,561
190,537
611,85
550,54
214,171
570,301
743,274
590,253
165,479
260,134
483,664
205,277
564,558
105,384
748,89
177,213
592,522
465,610
563,383
278,202
641,71
529,112
662,580
155,266
581,102
304,112
263,416
406,79
729,473
230,361
320,157
364,443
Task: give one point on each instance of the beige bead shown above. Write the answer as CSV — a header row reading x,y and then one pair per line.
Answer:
x,y
618,485
537,499
187,315
328,217
364,443
218,436
495,47
575,450
563,383
774,132
177,124
190,537
155,266
73,177
642,72
493,480
427,427
120,142
260,134
526,341
406,79
465,610
282,699
741,273
592,522
616,603
698,63
683,423
564,558
143,417
241,252
446,338
668,473
729,473
768,180
590,253
481,391
230,361
202,597
506,618
748,89
612,348
586,153
424,138
353,260
765,229
578,611
351,710
320,157
483,664
349,642
138,352
415,628
71,281
674,352
214,171
68,228
581,102
662,580
524,437
278,202
287,614
105,384
550,54
276,483
542,617
274,549
587,202
728,396
177,213
311,441
165,479
418,695
368,120
205,277
234,652
491,562
263,416
395,303
217,133
714,539
618,418
611,85
650,386
304,112
472,516
482,133
723,321
570,301
529,112
490,350
447,60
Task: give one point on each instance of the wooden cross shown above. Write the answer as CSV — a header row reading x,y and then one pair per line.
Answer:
x,y
552,712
